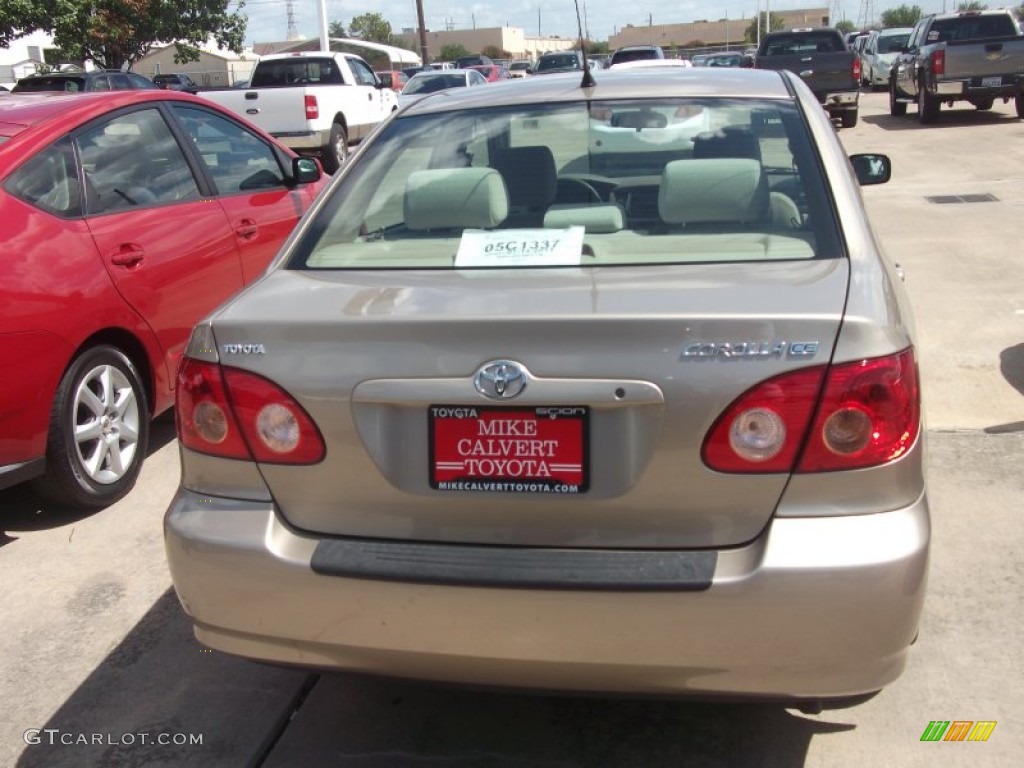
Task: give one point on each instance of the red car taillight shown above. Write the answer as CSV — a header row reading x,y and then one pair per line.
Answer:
x,y
238,415
856,69
937,62
312,108
869,414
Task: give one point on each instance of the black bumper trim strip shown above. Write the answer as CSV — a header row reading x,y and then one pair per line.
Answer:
x,y
527,567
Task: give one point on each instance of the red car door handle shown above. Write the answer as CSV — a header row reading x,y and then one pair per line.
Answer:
x,y
128,255
247,229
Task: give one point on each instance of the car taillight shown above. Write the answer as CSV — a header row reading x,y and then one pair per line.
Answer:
x,y
763,429
856,69
236,414
937,62
869,414
312,108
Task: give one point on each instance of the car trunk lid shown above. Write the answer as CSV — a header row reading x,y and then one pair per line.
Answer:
x,y
626,370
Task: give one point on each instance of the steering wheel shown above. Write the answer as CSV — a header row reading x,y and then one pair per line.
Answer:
x,y
593,195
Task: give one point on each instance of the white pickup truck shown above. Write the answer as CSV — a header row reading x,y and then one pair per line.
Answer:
x,y
317,103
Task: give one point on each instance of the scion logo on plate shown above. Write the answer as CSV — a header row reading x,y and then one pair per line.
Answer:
x,y
501,379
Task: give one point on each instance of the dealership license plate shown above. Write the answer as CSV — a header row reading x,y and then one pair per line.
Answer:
x,y
535,449
991,82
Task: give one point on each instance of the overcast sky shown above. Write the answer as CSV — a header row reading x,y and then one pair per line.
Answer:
x,y
268,19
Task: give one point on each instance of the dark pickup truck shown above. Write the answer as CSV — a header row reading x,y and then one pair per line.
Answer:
x,y
972,56
820,57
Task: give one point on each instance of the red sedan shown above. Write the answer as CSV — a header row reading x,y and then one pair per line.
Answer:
x,y
492,72
126,217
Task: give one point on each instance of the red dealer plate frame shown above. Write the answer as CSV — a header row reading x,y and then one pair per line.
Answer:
x,y
495,449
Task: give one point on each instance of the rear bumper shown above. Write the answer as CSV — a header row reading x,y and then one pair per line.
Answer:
x,y
815,608
841,101
974,89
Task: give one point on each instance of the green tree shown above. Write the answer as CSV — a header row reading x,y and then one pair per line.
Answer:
x,y
336,29
494,52
770,22
452,51
372,27
901,16
113,33
972,6
846,26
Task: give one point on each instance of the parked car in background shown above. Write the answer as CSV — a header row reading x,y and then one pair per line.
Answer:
x,y
879,54
651,64
84,82
520,68
471,60
317,103
492,72
972,56
636,53
698,59
559,61
393,79
125,218
855,40
820,57
425,83
729,59
560,392
176,81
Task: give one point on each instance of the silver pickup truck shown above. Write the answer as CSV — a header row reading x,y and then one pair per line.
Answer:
x,y
972,56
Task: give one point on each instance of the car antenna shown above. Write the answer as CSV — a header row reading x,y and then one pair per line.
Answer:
x,y
588,79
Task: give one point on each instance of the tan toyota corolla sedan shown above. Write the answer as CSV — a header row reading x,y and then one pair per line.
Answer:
x,y
592,387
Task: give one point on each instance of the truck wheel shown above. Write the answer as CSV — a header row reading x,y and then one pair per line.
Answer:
x,y
983,104
1019,103
336,152
927,107
99,431
849,118
896,108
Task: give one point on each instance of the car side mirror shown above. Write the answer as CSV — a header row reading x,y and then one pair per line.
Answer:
x,y
305,170
871,168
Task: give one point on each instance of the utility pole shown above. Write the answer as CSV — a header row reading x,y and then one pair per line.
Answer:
x,y
423,32
325,42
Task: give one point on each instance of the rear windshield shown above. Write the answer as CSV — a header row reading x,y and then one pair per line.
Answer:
x,y
558,61
892,43
635,54
296,71
587,184
971,28
799,43
72,84
434,83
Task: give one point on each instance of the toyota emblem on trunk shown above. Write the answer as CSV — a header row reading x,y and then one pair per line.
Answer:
x,y
500,379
